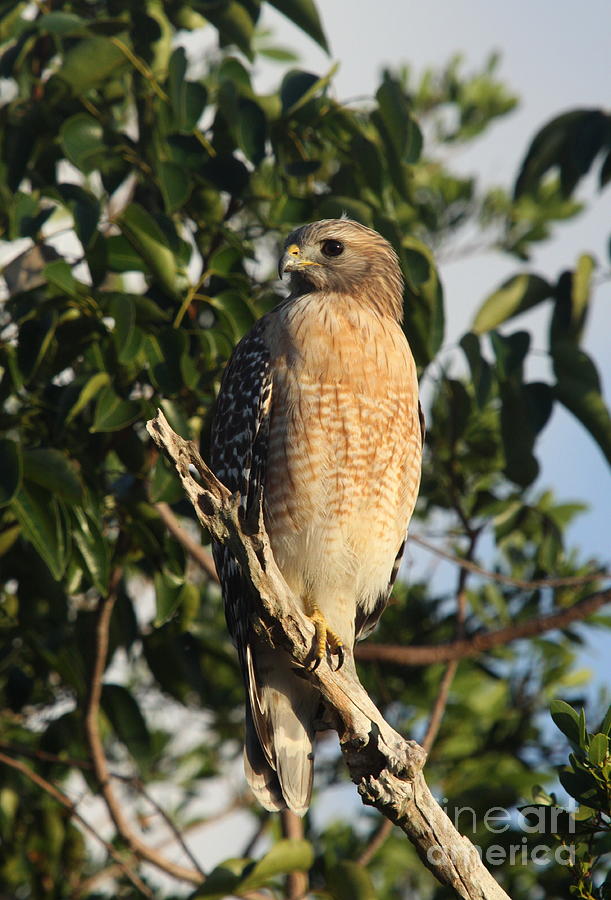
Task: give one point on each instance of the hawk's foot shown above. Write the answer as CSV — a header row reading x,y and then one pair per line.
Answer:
x,y
324,638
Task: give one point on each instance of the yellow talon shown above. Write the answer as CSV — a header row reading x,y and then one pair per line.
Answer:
x,y
323,638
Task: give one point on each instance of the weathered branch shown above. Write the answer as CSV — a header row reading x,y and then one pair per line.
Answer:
x,y
121,866
386,767
486,640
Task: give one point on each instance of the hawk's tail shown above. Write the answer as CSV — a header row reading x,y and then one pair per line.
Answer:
x,y
280,712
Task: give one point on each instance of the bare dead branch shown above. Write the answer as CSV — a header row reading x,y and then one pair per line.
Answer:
x,y
98,757
486,640
386,767
58,795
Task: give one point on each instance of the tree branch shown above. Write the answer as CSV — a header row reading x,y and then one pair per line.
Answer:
x,y
534,584
386,768
292,829
201,556
482,642
64,801
98,758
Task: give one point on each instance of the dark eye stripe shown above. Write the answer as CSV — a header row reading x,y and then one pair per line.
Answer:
x,y
332,248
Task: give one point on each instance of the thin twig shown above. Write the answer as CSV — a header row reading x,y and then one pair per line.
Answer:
x,y
201,556
111,871
258,832
65,801
98,757
477,644
534,584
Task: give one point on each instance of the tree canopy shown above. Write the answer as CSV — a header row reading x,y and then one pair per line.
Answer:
x,y
144,188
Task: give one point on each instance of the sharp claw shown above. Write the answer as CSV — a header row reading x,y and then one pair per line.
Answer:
x,y
340,657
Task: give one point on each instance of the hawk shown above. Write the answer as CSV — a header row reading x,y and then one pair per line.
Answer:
x,y
318,416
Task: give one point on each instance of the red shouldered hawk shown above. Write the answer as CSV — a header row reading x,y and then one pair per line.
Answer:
x,y
318,415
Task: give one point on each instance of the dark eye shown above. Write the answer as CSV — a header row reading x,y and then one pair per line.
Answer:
x,y
332,248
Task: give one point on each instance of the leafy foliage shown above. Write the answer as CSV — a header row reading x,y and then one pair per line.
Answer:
x,y
144,195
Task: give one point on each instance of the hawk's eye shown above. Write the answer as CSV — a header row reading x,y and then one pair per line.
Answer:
x,y
332,248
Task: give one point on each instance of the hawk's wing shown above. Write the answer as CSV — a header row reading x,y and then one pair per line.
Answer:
x,y
279,706
238,456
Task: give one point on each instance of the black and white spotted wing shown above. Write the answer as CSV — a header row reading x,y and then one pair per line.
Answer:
x,y
238,458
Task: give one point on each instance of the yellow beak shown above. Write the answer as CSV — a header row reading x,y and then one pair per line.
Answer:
x,y
292,260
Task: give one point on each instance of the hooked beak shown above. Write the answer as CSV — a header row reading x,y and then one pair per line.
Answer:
x,y
292,261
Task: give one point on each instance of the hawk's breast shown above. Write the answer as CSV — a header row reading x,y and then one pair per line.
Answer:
x,y
343,465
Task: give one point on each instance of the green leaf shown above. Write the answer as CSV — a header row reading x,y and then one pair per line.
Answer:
x,y
299,87
35,339
167,596
147,238
481,373
88,392
582,280
38,513
223,879
349,881
510,352
59,274
518,439
10,470
305,15
82,140
112,413
235,876
61,23
566,719
123,310
515,296
85,210
605,171
581,786
251,130
91,61
606,725
52,469
234,23
598,749
578,388
175,184
127,720
188,98
93,548
164,354
570,141
164,483
285,856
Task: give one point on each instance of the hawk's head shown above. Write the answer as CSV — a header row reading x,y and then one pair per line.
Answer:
x,y
342,256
